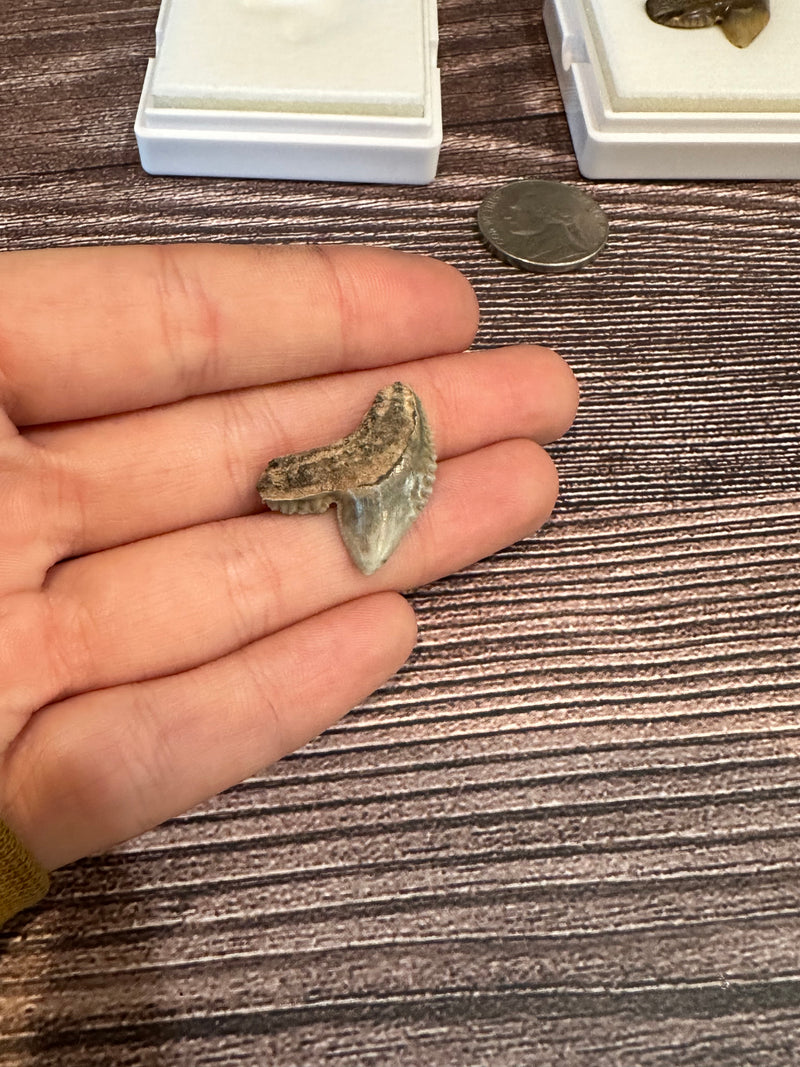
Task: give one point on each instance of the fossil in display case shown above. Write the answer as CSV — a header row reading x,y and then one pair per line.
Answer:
x,y
740,20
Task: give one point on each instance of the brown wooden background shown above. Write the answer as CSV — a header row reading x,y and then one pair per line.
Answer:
x,y
568,832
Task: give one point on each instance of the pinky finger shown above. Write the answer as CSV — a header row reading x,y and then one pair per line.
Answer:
x,y
102,767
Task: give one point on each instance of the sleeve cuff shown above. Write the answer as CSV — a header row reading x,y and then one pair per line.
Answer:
x,y
23,882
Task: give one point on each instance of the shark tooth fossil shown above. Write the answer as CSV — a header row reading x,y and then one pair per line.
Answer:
x,y
740,20
379,477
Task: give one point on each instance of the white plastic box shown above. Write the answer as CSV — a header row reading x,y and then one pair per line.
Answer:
x,y
335,90
649,101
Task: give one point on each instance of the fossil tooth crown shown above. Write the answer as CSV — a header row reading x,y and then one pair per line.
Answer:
x,y
379,477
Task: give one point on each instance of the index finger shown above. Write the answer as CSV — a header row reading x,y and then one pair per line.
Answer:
x,y
93,331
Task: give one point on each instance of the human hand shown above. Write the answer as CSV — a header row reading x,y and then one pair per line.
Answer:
x,y
162,636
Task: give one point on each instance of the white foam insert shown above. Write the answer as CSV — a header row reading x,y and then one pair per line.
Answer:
x,y
344,56
652,67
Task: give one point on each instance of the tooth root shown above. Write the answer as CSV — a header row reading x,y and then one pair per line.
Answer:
x,y
742,25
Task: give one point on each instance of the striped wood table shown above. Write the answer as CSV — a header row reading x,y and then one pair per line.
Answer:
x,y
566,833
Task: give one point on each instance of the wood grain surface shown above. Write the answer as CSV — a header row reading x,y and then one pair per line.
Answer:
x,y
568,831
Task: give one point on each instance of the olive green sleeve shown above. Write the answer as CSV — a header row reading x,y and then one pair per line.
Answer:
x,y
22,881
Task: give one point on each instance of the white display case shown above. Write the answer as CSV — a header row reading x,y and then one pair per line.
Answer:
x,y
337,90
648,101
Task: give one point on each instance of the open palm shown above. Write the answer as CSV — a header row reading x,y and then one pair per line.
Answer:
x,y
161,636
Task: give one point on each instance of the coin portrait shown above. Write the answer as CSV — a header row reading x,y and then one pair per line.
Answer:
x,y
543,225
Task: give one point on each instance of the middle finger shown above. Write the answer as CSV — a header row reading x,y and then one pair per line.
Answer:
x,y
133,476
